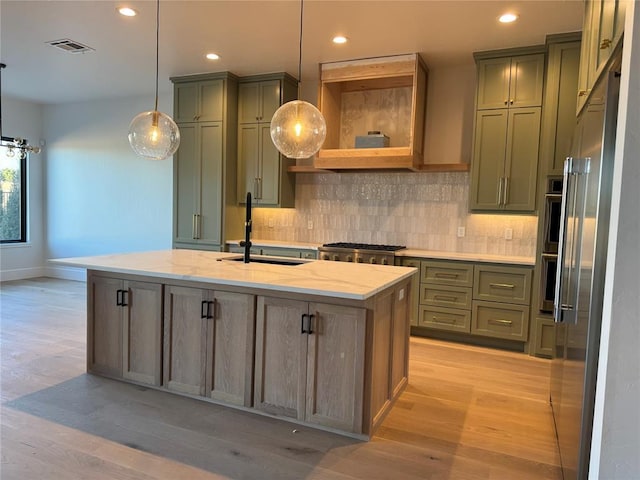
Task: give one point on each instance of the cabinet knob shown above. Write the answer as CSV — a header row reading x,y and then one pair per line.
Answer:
x,y
511,101
582,93
606,43
506,102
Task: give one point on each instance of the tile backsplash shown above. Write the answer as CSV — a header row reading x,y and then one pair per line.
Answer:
x,y
420,210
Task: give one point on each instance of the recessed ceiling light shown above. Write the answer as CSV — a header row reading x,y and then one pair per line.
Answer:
x,y
127,11
339,39
508,18
213,56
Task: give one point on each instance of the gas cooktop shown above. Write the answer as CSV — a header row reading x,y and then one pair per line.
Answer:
x,y
364,246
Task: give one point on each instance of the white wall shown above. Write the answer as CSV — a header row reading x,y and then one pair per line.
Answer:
x,y
24,119
616,433
100,197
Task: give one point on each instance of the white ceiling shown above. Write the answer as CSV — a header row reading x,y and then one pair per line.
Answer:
x,y
251,37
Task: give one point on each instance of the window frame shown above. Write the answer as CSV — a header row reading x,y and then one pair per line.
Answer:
x,y
23,199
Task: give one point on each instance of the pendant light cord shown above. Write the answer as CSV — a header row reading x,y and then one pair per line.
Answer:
x,y
300,48
157,49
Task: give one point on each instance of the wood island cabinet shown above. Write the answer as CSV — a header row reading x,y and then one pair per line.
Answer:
x,y
208,343
507,131
124,330
205,212
334,361
299,347
262,170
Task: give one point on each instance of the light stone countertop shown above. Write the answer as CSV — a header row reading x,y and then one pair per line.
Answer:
x,y
467,257
332,279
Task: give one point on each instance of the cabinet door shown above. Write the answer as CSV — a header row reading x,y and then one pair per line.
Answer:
x,y
248,157
249,102
605,23
186,184
526,81
104,326
521,165
230,349
209,228
488,159
271,99
185,103
559,111
268,169
258,101
336,344
142,333
185,339
281,357
211,104
493,83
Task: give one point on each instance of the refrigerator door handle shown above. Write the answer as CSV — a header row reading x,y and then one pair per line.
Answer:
x,y
573,167
558,304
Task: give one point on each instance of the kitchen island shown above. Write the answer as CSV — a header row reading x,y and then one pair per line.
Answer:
x,y
322,344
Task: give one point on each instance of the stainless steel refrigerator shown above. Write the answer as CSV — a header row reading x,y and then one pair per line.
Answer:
x,y
582,257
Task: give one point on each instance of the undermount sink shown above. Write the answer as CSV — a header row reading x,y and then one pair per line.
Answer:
x,y
272,261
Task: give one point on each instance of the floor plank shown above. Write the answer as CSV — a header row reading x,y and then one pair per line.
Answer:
x,y
468,413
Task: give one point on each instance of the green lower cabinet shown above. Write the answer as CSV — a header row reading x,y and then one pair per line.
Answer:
x,y
450,319
500,320
544,337
415,289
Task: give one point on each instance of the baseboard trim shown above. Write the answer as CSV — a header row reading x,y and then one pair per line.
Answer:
x,y
67,273
22,273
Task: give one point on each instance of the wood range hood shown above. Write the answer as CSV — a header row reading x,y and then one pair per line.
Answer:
x,y
385,94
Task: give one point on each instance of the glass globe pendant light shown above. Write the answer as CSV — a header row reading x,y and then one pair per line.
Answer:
x,y
298,129
154,135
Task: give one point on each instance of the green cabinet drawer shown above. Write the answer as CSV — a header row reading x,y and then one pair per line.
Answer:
x,y
450,319
449,297
447,273
500,320
502,284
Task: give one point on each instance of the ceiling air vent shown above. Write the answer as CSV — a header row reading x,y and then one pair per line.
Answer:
x,y
70,46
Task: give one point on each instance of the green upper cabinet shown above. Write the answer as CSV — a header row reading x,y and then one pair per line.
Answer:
x,y
507,130
205,212
559,107
258,101
199,101
602,31
510,82
262,170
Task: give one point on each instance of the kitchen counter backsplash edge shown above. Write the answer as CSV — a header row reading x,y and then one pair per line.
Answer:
x,y
410,252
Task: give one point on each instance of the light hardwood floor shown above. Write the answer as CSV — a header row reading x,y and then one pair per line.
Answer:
x,y
468,413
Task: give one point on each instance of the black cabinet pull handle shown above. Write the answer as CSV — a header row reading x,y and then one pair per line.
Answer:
x,y
125,298
302,330
119,298
204,309
211,309
311,319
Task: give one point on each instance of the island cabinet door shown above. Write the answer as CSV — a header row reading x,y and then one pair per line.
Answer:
x,y
185,339
335,366
104,325
142,332
230,337
281,357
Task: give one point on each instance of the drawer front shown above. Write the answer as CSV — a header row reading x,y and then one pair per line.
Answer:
x,y
500,320
447,273
449,297
451,319
502,284
280,252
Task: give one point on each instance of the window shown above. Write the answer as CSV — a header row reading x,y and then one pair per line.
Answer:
x,y
13,195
